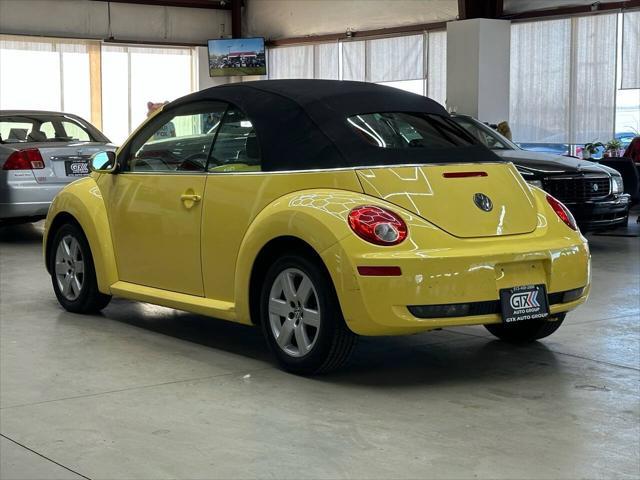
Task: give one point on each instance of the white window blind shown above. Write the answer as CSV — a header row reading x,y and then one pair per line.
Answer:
x,y
354,61
45,74
631,50
437,66
396,58
116,121
291,62
593,74
540,81
327,61
134,76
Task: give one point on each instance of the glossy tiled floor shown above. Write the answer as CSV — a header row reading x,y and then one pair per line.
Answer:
x,y
148,392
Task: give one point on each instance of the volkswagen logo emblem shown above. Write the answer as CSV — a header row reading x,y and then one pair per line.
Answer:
x,y
483,202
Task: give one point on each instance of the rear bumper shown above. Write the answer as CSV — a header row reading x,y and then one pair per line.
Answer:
x,y
26,200
469,271
603,214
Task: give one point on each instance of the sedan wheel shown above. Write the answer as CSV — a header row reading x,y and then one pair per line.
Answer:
x,y
294,312
69,267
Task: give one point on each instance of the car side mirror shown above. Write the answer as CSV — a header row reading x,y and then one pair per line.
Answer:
x,y
103,162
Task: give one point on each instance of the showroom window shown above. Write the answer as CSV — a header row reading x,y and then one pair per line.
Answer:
x,y
133,77
108,85
46,74
415,63
567,77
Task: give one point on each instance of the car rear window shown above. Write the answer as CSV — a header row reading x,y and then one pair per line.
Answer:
x,y
398,130
42,128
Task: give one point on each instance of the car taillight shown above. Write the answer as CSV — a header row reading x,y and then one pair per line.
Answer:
x,y
563,212
377,225
24,160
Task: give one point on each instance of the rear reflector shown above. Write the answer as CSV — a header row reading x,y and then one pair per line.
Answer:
x,y
379,271
29,159
464,174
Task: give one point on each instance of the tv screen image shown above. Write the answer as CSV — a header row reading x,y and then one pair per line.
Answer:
x,y
237,56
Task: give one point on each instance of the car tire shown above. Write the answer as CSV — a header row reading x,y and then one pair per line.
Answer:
x,y
73,273
525,332
303,323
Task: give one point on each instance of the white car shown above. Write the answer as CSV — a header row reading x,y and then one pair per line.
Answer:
x,y
41,152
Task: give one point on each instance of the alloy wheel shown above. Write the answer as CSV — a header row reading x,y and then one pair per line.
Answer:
x,y
294,312
69,267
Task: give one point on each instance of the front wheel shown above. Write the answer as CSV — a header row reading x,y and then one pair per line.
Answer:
x,y
73,273
301,318
527,331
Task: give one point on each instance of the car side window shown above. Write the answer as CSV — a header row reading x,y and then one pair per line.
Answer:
x,y
176,142
236,147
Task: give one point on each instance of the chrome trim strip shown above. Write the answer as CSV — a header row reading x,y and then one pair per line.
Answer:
x,y
316,170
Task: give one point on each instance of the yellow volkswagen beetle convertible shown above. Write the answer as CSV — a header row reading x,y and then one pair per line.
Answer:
x,y
319,210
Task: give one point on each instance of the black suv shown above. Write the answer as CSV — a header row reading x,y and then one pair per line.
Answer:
x,y
593,192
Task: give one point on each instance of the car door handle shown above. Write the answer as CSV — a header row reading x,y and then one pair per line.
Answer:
x,y
190,197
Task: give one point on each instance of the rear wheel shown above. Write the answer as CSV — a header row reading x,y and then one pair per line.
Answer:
x,y
301,318
73,273
525,332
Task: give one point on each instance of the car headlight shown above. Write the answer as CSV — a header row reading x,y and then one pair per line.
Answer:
x,y
535,183
616,184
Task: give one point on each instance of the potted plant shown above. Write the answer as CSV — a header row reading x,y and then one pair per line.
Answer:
x,y
613,147
590,149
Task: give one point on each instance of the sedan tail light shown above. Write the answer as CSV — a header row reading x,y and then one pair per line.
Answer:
x,y
563,212
29,159
377,225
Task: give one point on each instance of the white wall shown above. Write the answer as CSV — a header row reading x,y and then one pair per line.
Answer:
x,y
88,19
276,19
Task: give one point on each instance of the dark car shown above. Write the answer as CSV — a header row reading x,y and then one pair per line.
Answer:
x,y
593,193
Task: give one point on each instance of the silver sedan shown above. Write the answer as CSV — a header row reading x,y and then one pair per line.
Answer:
x,y
40,153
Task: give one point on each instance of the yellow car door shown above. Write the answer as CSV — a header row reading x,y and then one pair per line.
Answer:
x,y
155,201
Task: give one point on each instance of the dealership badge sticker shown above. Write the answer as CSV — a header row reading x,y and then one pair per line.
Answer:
x,y
524,303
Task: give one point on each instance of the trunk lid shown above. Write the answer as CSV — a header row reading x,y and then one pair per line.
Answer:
x,y
444,195
65,162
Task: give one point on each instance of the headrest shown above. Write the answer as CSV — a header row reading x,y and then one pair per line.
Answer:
x,y
37,136
18,134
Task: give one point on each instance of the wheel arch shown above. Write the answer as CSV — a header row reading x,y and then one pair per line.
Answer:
x,y
310,221
274,248
58,221
82,204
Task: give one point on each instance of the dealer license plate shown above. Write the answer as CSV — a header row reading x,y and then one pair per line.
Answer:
x,y
523,303
76,169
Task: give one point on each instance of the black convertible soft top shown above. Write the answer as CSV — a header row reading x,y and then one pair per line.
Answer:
x,y
302,124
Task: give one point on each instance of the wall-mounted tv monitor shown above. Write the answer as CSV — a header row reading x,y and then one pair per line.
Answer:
x,y
237,56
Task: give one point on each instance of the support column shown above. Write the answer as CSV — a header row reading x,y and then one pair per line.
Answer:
x,y
478,62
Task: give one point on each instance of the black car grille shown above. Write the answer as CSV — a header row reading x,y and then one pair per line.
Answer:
x,y
567,189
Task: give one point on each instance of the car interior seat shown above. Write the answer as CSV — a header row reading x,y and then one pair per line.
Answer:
x,y
37,136
19,134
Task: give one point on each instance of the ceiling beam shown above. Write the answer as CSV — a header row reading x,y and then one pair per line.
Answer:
x,y
574,10
208,4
